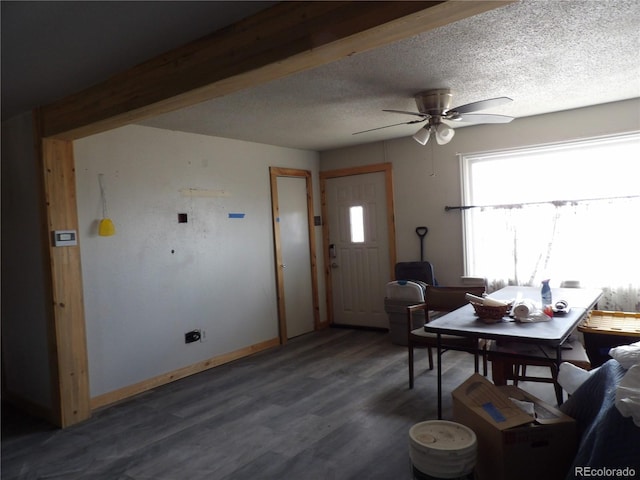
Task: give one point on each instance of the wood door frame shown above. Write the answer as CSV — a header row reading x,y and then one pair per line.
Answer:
x,y
385,168
274,173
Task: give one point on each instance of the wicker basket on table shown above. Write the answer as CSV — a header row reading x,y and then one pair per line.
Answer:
x,y
490,314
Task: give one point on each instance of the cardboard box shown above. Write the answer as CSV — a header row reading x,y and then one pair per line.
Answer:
x,y
513,444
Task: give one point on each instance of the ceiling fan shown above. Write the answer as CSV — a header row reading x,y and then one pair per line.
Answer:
x,y
434,107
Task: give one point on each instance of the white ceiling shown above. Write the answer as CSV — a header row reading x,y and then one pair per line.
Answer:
x,y
548,55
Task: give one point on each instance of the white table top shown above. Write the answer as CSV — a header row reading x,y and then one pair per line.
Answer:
x,y
464,322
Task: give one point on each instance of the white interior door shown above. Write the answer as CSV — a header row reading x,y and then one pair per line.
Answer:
x,y
293,223
359,248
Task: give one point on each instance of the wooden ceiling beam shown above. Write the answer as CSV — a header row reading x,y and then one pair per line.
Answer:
x,y
284,39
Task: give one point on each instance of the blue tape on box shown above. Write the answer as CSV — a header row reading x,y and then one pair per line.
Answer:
x,y
493,412
236,215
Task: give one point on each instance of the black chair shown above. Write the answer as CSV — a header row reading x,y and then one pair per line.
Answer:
x,y
416,271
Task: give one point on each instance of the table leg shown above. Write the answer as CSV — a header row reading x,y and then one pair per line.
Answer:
x,y
559,394
439,345
501,370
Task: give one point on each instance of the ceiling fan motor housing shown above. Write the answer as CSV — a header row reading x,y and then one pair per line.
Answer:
x,y
434,102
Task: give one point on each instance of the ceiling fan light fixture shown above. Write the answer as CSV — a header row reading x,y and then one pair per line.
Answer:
x,y
444,134
434,106
422,135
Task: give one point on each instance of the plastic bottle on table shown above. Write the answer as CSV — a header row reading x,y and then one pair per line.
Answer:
x,y
547,301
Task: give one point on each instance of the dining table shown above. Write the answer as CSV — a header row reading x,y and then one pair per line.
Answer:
x,y
553,333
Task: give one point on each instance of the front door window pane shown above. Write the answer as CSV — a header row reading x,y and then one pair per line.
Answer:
x,y
356,222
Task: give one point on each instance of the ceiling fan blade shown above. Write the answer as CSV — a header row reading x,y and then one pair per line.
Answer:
x,y
481,105
483,118
423,115
388,126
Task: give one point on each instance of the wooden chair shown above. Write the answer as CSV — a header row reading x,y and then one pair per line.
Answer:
x,y
509,361
441,299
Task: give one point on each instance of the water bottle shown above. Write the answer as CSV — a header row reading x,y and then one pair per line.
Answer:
x,y
546,294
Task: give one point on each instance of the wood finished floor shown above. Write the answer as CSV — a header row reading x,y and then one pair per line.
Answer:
x,y
329,405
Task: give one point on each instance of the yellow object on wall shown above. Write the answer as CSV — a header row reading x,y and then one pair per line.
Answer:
x,y
106,228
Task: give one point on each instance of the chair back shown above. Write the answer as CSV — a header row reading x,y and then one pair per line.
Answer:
x,y
421,271
473,281
447,299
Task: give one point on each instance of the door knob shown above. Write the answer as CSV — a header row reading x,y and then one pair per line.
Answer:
x,y
283,266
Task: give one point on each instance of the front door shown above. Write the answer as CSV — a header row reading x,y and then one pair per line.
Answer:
x,y
359,247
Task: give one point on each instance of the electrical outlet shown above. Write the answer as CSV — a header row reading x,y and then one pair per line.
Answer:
x,y
192,336
203,336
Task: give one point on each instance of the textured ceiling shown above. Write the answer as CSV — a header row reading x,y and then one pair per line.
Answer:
x,y
548,55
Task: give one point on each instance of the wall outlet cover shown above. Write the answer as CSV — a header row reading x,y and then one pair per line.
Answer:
x,y
192,336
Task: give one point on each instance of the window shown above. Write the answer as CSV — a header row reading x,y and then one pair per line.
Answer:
x,y
565,212
356,224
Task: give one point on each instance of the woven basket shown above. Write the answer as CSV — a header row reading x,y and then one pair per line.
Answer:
x,y
490,313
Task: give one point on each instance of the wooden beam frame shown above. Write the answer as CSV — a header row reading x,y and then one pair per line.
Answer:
x,y
287,38
69,344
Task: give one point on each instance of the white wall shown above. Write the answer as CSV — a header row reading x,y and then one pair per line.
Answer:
x,y
427,178
25,350
156,278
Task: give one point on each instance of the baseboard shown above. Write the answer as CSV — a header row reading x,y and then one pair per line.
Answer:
x,y
359,327
137,388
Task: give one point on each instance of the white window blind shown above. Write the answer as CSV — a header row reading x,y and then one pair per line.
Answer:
x,y
569,211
